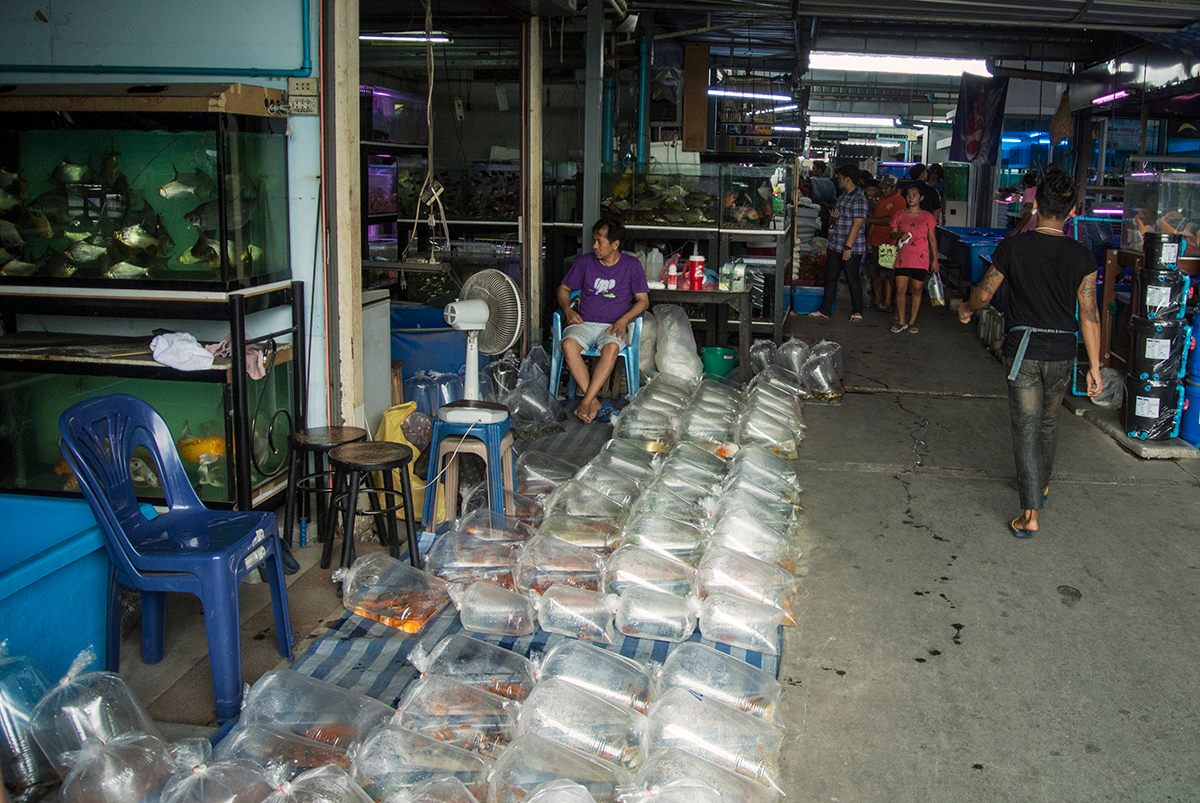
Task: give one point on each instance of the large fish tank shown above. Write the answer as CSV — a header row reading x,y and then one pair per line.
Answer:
x,y
1162,194
715,196
196,406
174,200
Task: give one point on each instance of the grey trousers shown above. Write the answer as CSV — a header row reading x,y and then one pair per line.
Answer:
x,y
1034,399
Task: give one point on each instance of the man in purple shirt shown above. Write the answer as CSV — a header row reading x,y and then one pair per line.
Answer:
x,y
612,292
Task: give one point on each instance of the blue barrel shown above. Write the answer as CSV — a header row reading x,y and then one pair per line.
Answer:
x,y
1152,409
1189,419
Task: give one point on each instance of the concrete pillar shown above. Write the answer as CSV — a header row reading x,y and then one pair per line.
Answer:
x,y
532,161
593,112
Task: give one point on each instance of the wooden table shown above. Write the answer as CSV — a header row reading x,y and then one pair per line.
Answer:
x,y
717,303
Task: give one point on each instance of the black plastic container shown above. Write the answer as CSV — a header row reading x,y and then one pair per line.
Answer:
x,y
1152,409
1161,251
1159,348
1162,293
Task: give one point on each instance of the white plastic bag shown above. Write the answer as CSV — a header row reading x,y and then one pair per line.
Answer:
x,y
286,700
604,673
452,711
721,677
485,607
676,344
577,613
647,614
394,759
566,714
531,760
478,663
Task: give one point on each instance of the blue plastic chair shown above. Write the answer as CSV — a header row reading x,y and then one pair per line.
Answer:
x,y
631,353
187,549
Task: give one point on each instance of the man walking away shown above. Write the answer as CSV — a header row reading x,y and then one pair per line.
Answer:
x,y
1047,275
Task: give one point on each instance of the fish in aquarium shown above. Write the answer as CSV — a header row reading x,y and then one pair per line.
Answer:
x,y
206,216
8,178
141,473
39,225
210,470
192,448
196,185
85,251
69,172
79,229
60,267
9,236
53,204
17,267
8,201
204,252
140,238
126,270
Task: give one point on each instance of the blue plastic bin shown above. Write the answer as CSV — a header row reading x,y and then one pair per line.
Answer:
x,y
53,580
967,246
808,299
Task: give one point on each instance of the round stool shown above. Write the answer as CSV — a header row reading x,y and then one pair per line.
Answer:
x,y
303,485
492,436
355,463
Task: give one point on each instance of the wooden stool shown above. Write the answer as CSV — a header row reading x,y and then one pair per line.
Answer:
x,y
456,447
352,464
316,442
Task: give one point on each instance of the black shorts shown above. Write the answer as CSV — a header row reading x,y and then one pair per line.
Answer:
x,y
913,274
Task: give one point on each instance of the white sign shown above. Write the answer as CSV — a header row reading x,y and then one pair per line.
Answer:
x,y
1145,407
1169,254
1158,348
1158,297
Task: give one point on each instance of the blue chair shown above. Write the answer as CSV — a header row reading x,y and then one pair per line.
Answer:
x,y
631,353
188,549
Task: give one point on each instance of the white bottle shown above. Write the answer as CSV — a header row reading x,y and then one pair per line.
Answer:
x,y
654,265
672,277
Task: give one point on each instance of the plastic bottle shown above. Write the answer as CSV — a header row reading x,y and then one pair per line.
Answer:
x,y
672,277
654,265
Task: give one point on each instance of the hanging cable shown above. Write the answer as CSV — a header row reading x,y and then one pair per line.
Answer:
x,y
429,135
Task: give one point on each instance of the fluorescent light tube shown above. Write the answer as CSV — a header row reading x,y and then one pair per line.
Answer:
x,y
791,107
786,128
902,65
840,119
1011,140
737,93
1109,98
406,38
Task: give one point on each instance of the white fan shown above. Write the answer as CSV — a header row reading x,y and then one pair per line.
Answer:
x,y
489,311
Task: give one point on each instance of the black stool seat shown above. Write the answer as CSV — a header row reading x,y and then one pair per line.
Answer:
x,y
371,455
326,438
304,485
355,464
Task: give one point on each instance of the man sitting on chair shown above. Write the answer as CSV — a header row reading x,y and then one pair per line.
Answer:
x,y
612,293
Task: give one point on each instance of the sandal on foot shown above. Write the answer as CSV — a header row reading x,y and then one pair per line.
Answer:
x,y
856,317
1020,532
605,412
818,314
897,328
912,330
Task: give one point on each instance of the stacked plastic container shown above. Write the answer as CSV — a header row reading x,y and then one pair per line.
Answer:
x,y
1160,341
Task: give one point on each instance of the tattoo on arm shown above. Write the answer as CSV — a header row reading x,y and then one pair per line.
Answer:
x,y
1087,299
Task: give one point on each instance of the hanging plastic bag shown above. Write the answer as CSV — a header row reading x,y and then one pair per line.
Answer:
x,y
669,766
721,677
546,560
385,590
792,354
464,715
328,784
394,759
478,663
461,557
266,747
706,728
286,700
530,760
485,607
1113,393
22,765
647,614
677,344
596,535
725,571
634,566
677,539
566,714
577,613
937,290
563,791
741,623
129,768
234,781
606,674
86,707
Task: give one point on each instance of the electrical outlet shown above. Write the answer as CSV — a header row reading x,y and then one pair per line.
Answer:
x,y
302,104
302,86
458,109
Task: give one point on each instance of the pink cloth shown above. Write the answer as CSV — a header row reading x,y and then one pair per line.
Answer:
x,y
256,363
915,253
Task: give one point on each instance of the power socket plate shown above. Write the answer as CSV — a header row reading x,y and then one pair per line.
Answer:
x,y
302,86
301,104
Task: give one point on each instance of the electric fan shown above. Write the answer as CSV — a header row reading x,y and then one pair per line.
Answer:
x,y
489,311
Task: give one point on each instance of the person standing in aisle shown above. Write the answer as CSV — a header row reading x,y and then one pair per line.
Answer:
x,y
1047,273
915,230
879,232
847,244
824,194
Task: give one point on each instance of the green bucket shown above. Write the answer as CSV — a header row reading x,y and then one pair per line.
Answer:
x,y
718,360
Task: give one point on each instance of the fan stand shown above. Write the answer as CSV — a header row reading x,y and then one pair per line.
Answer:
x,y
472,410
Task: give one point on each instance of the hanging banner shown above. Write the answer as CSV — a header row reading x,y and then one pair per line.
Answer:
x,y
979,119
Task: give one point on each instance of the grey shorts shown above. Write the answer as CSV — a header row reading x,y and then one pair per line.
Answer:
x,y
592,335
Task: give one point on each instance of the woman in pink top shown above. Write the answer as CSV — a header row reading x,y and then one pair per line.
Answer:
x,y
915,230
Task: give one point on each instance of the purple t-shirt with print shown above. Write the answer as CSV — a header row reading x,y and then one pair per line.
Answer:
x,y
605,291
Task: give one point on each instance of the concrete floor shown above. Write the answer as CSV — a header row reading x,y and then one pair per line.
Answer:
x,y
937,658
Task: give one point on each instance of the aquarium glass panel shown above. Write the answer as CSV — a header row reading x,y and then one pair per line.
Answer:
x,y
1161,196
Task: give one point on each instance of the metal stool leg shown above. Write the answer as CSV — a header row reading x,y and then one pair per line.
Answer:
x,y
328,513
348,522
320,465
294,474
389,493
414,549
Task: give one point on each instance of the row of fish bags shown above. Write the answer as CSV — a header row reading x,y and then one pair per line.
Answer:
x,y
648,416
485,607
459,556
391,592
394,759
450,710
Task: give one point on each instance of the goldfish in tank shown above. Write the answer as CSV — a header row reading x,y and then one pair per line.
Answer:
x,y
192,448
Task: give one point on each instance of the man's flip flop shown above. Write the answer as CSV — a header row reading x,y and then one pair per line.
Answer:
x,y
1020,532
605,412
1045,493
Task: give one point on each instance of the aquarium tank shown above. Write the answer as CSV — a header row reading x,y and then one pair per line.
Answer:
x,y
1162,194
724,196
175,200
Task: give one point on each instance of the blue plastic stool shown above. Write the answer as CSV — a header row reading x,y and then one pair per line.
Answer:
x,y
492,435
188,548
